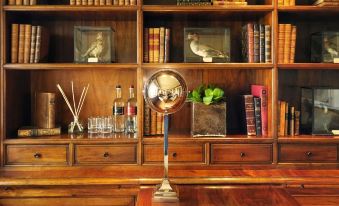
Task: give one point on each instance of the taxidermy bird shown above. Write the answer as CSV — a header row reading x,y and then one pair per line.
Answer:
x,y
329,49
205,51
96,48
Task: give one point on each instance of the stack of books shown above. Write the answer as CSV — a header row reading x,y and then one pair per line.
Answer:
x,y
153,122
256,43
102,2
256,111
288,119
29,44
286,42
22,2
286,2
193,2
156,45
326,3
229,2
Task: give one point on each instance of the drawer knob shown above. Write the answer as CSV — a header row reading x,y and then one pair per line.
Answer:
x,y
174,154
242,154
106,154
309,154
37,155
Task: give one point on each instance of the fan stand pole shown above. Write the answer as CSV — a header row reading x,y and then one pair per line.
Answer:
x,y
164,192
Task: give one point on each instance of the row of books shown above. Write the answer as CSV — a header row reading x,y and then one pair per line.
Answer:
x,y
287,34
156,45
286,2
26,43
288,119
153,122
229,2
326,3
256,111
256,43
22,2
193,2
102,2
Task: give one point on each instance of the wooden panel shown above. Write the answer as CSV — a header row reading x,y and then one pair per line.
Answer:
x,y
307,153
105,154
37,155
193,153
316,195
231,153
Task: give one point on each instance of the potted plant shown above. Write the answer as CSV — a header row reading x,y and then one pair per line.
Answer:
x,y
208,111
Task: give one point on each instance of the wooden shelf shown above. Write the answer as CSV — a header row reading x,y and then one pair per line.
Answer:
x,y
309,139
309,66
236,66
68,8
198,9
68,66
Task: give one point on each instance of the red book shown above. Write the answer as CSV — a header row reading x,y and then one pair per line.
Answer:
x,y
250,117
261,92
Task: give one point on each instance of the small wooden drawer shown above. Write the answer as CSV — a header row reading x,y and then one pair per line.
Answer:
x,y
119,154
241,153
307,153
191,153
37,154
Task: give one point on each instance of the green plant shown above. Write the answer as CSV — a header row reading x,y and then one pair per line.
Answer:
x,y
206,94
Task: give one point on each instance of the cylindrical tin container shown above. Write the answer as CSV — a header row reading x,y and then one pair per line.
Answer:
x,y
45,110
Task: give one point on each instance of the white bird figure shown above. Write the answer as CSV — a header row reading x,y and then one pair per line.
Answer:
x,y
330,50
96,48
205,51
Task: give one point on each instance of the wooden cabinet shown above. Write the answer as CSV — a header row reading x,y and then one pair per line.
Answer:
x,y
37,155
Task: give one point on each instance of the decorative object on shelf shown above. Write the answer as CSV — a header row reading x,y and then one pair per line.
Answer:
x,y
165,92
34,131
103,125
207,45
208,111
319,111
44,111
288,119
325,47
75,126
93,44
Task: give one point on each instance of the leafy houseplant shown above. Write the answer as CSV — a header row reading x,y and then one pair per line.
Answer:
x,y
208,111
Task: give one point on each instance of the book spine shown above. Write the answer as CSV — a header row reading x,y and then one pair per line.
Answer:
x,y
256,43
250,118
38,44
146,44
33,42
156,45
262,43
26,2
14,43
268,56
286,119
84,2
287,43
162,45
72,2
159,123
147,119
133,2
292,3
291,122
257,114
153,122
162,124
102,2
244,43
167,45
21,43
151,45
127,3
33,2
96,2
90,2
250,42
121,2
115,2
18,2
293,43
23,132
281,38
109,2
78,2
280,2
297,123
261,92
286,2
11,2
27,46
282,118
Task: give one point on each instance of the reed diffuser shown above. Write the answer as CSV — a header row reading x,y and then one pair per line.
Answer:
x,y
75,126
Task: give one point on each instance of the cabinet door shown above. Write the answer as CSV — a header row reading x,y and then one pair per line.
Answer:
x,y
177,153
37,155
241,153
102,154
308,153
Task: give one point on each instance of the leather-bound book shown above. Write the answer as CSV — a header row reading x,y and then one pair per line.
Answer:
x,y
41,45
156,45
286,119
90,2
84,2
21,43
293,43
146,44
249,115
281,38
127,2
167,45
78,2
292,3
261,43
281,129
18,2
72,2
33,2
291,121
286,2
27,44
44,110
151,45
14,43
33,131
257,115
297,123
287,43
262,92
256,43
250,42
116,2
11,2
25,2
96,2
280,2
147,119
102,2
33,42
162,45
121,2
268,47
133,2
109,2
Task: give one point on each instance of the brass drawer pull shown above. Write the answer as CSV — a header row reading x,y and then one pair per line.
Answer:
x,y
242,154
106,154
309,154
174,154
37,155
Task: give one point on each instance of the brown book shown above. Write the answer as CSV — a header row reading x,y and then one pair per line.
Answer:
x,y
146,44
14,43
159,123
133,2
33,131
41,45
293,43
163,124
167,45
127,3
250,42
151,45
33,42
153,122
11,2
21,43
147,119
328,4
37,44
286,119
282,111
268,48
32,2
297,123
291,121
78,2
286,2
281,38
121,2
292,3
90,2
27,44
96,2
25,2
109,2
84,2
280,2
115,2
72,2
162,45
287,43
18,2
102,2
249,114
156,44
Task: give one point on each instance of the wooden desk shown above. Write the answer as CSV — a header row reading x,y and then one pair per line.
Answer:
x,y
190,195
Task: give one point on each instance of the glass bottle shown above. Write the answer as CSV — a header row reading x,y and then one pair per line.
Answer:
x,y
118,111
131,118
